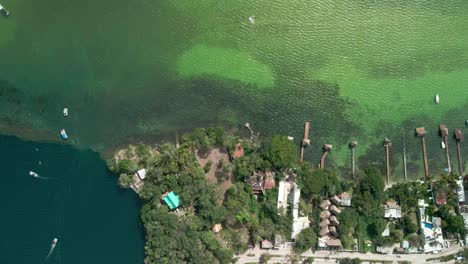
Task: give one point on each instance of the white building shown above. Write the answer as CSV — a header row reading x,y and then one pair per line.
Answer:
x,y
299,223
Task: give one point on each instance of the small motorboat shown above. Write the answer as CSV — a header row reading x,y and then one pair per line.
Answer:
x,y
63,134
437,98
252,19
442,144
52,246
32,173
65,111
3,11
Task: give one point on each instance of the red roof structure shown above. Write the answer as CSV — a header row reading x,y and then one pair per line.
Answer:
x,y
239,151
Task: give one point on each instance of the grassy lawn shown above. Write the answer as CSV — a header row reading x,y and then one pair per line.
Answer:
x,y
363,235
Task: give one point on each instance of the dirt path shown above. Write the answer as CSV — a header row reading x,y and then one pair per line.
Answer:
x,y
215,155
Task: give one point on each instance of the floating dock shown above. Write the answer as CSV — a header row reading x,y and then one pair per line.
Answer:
x,y
459,138
443,130
387,144
352,145
327,148
421,132
306,141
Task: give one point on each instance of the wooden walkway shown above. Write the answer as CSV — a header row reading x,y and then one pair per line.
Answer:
x,y
387,144
353,146
327,148
459,138
421,132
305,141
444,134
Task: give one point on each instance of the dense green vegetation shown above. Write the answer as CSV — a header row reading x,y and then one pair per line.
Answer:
x,y
305,240
185,235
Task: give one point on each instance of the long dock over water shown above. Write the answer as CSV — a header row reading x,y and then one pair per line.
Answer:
x,y
444,134
387,144
459,138
306,140
421,132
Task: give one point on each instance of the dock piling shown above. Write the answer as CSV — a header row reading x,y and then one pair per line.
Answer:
x,y
404,160
306,141
327,148
352,146
444,134
459,138
388,144
421,132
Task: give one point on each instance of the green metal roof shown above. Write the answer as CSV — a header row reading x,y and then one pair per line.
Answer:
x,y
172,200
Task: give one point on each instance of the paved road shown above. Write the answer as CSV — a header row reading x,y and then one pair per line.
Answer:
x,y
326,257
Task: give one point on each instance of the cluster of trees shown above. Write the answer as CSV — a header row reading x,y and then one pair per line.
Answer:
x,y
187,237
278,154
319,182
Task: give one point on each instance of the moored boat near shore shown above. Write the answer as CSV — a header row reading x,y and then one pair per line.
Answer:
x,y
63,134
3,11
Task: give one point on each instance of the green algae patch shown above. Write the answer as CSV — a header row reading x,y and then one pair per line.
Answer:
x,y
224,63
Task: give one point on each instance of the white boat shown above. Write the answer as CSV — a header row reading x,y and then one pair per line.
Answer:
x,y
437,99
252,19
65,111
3,11
63,134
54,243
442,144
32,173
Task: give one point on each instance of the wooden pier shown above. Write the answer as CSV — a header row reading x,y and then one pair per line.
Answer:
x,y
352,145
306,141
443,130
421,132
459,138
327,148
404,160
387,144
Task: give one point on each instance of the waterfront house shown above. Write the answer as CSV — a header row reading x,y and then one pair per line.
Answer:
x,y
217,228
392,210
261,181
266,244
325,214
325,204
334,244
138,178
141,174
171,199
239,151
334,221
335,210
441,198
336,200
345,199
324,231
324,223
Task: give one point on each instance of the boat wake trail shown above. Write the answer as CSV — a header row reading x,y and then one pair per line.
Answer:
x,y
52,247
37,176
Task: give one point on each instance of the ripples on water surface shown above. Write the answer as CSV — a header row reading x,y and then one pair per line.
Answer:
x,y
360,70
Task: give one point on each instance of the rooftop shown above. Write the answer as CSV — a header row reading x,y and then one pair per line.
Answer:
x,y
142,174
239,151
325,214
171,199
334,243
324,205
